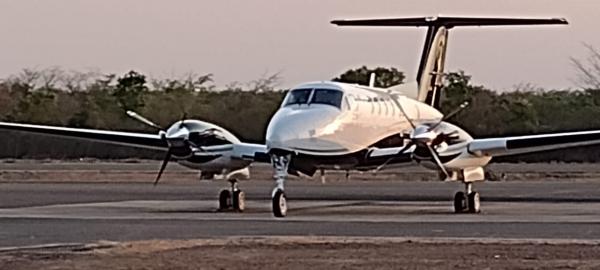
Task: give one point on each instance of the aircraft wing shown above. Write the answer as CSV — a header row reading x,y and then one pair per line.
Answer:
x,y
252,152
532,143
141,140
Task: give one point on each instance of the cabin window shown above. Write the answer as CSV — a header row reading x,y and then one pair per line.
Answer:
x,y
386,107
347,102
353,102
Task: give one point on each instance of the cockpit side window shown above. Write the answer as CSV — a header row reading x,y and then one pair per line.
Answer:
x,y
298,96
327,96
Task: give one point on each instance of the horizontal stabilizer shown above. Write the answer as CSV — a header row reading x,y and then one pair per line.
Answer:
x,y
448,22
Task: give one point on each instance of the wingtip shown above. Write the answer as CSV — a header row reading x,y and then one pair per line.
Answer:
x,y
563,20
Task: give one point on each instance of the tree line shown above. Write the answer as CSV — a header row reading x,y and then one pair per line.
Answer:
x,y
94,100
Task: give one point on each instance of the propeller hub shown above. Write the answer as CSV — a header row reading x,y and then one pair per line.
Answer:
x,y
177,133
423,135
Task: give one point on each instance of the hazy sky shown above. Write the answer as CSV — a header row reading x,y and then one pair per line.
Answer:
x,y
242,40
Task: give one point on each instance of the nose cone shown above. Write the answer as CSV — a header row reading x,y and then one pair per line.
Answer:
x,y
311,128
176,136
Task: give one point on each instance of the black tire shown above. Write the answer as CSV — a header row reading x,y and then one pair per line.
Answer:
x,y
473,202
224,199
460,202
239,200
279,204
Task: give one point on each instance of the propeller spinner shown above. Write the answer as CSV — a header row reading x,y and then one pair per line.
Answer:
x,y
173,142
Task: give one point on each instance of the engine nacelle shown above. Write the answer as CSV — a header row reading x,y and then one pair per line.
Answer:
x,y
452,148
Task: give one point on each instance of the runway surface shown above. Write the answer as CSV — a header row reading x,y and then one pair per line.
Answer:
x,y
43,213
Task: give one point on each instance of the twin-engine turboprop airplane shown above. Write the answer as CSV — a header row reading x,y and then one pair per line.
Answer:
x,y
336,126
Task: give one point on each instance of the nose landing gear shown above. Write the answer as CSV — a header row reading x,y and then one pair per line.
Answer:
x,y
279,202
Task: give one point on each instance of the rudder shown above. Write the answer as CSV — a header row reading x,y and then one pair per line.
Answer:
x,y
431,68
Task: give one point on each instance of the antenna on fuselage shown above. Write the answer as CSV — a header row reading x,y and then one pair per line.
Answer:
x,y
372,80
431,67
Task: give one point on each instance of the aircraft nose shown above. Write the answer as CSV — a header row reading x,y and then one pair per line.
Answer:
x,y
291,129
279,138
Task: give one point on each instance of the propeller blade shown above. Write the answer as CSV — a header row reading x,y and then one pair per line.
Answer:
x,y
408,146
393,98
461,107
144,120
439,163
451,114
163,166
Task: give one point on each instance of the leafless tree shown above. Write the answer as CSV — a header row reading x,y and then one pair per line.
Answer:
x,y
50,76
28,77
74,81
528,87
588,69
267,82
55,78
190,80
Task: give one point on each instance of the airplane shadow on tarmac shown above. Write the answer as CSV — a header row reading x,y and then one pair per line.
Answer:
x,y
363,208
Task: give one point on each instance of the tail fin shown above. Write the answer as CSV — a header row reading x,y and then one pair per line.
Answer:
x,y
431,68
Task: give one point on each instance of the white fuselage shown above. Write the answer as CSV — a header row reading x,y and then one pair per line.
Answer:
x,y
365,116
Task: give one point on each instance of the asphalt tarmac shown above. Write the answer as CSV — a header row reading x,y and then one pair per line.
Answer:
x,y
45,213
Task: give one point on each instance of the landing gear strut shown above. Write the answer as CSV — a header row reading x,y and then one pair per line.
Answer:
x,y
468,201
280,164
233,198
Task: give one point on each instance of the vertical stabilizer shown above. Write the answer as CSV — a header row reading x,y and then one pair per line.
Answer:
x,y
431,68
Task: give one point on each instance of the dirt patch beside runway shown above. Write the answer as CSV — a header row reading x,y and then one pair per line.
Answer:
x,y
313,253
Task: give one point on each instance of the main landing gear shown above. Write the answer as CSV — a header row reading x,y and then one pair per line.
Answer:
x,y
468,201
279,202
233,198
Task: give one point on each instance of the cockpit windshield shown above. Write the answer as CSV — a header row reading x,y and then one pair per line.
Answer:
x,y
317,96
298,96
327,96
